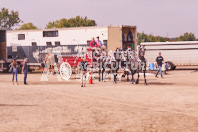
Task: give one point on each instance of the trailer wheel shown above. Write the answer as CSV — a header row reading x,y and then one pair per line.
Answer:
x,y
170,66
65,70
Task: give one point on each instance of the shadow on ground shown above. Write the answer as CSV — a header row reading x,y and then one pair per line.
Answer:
x,y
16,105
159,83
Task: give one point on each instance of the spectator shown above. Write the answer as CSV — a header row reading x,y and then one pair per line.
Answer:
x,y
43,66
13,68
159,61
25,70
93,43
102,46
83,67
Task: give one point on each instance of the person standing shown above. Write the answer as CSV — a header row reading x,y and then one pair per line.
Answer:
x,y
159,61
25,70
13,68
51,62
83,67
47,61
43,66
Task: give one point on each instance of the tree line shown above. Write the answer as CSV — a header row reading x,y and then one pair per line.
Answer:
x,y
142,37
10,19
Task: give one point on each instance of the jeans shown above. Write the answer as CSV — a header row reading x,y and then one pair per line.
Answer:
x,y
83,78
25,76
159,70
14,72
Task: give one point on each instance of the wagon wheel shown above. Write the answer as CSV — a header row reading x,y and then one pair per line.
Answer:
x,y
65,70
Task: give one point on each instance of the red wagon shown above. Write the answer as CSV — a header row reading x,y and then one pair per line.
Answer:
x,y
68,63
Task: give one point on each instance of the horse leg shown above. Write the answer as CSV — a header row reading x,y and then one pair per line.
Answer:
x,y
145,77
99,75
127,75
137,81
114,76
103,70
132,77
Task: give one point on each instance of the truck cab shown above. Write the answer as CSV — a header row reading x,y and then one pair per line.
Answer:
x,y
4,61
3,56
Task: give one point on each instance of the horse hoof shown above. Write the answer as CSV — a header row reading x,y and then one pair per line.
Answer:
x,y
134,83
114,82
127,79
131,82
145,83
103,80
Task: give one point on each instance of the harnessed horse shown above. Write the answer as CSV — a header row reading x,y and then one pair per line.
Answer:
x,y
137,64
112,63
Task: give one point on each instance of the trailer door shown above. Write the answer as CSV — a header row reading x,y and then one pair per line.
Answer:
x,y
2,44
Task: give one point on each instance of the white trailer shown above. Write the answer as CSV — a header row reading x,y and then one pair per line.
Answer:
x,y
34,44
183,53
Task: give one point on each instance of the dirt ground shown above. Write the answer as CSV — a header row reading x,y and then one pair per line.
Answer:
x,y
164,105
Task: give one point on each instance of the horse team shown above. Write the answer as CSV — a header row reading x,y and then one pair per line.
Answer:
x,y
125,60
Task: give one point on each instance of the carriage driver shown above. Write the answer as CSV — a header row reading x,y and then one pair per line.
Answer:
x,y
83,67
93,44
102,46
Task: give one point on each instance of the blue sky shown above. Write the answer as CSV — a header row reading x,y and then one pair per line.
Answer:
x,y
158,17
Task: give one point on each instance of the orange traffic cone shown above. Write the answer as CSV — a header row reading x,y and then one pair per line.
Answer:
x,y
90,79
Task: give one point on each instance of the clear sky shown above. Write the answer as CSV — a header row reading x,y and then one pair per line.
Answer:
x,y
158,17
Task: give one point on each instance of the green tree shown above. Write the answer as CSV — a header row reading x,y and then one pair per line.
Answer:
x,y
139,38
27,26
187,37
160,39
72,22
8,19
152,38
142,37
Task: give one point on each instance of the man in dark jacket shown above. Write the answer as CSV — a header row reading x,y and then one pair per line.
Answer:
x,y
83,67
25,70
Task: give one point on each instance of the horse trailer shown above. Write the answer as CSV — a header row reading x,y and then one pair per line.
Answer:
x,y
34,44
180,53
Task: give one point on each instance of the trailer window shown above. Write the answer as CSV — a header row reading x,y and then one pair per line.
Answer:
x,y
9,56
49,43
34,44
21,36
105,42
57,43
50,33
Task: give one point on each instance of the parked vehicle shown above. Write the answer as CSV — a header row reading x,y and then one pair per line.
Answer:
x,y
174,53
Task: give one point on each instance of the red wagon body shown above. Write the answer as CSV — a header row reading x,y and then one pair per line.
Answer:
x,y
71,62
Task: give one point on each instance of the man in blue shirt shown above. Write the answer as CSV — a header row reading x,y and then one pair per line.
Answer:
x,y
25,70
102,46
